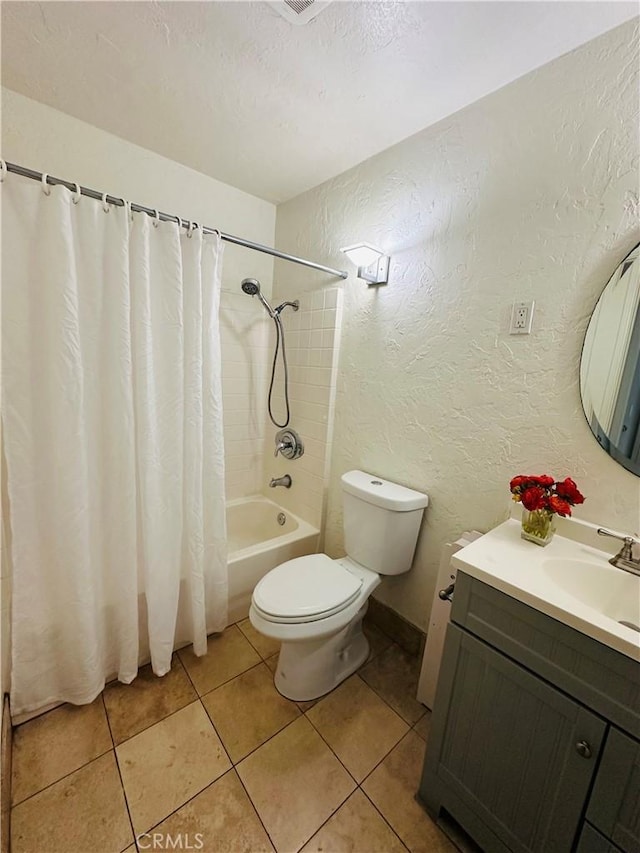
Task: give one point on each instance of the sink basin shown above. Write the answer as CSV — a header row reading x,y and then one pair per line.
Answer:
x,y
609,591
571,580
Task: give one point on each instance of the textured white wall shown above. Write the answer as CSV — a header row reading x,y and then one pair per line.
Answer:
x,y
531,193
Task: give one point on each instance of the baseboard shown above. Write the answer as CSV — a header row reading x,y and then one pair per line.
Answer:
x,y
402,632
6,745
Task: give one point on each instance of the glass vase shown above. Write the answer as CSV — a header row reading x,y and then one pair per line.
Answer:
x,y
538,526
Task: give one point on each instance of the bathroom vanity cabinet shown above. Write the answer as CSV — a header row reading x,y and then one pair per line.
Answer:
x,y
534,742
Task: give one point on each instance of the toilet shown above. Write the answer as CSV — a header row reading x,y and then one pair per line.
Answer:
x,y
315,605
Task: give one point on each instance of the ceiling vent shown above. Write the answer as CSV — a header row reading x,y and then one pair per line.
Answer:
x,y
299,11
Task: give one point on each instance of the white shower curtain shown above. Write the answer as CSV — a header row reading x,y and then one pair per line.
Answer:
x,y
112,432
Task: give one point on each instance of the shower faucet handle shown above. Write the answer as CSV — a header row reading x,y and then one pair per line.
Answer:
x,y
281,446
289,443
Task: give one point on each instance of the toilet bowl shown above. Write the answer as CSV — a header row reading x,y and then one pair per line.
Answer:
x,y
315,605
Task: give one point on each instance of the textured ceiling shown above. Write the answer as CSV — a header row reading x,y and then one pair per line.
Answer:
x,y
235,91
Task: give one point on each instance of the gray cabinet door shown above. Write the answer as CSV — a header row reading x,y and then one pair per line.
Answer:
x,y
614,806
510,749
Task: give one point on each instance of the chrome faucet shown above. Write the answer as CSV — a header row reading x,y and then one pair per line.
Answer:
x,y
280,481
624,559
289,443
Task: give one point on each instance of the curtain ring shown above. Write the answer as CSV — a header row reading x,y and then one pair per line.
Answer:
x,y
3,170
105,203
156,220
77,194
190,228
46,189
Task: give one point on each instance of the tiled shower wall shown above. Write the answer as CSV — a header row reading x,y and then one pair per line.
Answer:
x,y
312,344
248,339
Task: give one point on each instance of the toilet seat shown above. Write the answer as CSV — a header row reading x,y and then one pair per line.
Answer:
x,y
306,589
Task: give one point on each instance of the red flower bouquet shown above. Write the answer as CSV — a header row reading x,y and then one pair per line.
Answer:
x,y
543,497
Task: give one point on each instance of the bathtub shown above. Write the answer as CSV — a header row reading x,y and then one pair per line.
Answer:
x,y
261,535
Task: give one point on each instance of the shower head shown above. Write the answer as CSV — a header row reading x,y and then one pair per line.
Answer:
x,y
252,287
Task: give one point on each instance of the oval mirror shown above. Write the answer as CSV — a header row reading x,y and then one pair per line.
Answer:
x,y
610,366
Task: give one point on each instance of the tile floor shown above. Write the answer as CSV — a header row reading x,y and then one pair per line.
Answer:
x,y
212,758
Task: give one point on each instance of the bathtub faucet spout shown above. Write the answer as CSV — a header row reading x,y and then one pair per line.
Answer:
x,y
280,481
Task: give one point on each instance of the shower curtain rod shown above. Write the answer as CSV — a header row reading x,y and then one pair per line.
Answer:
x,y
167,217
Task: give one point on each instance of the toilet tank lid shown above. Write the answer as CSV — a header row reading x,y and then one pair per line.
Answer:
x,y
382,493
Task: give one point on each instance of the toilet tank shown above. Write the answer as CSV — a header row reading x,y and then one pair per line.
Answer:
x,y
381,522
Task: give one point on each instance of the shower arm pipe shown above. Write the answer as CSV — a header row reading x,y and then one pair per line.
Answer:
x,y
167,217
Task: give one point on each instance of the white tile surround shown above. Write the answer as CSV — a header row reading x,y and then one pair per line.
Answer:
x,y
248,339
312,342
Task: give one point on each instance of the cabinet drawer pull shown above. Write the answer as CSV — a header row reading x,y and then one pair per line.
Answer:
x,y
583,749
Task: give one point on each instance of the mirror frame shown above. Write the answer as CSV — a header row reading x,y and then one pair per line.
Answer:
x,y
622,409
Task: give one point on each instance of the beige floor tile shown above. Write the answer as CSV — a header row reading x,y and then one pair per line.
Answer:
x,y
248,710
355,828
228,655
392,787
272,662
423,726
394,674
57,743
265,646
167,764
131,708
84,811
218,820
358,726
296,783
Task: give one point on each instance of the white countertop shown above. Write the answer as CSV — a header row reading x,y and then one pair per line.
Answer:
x,y
508,563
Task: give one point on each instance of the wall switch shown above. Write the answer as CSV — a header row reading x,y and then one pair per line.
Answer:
x,y
521,317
